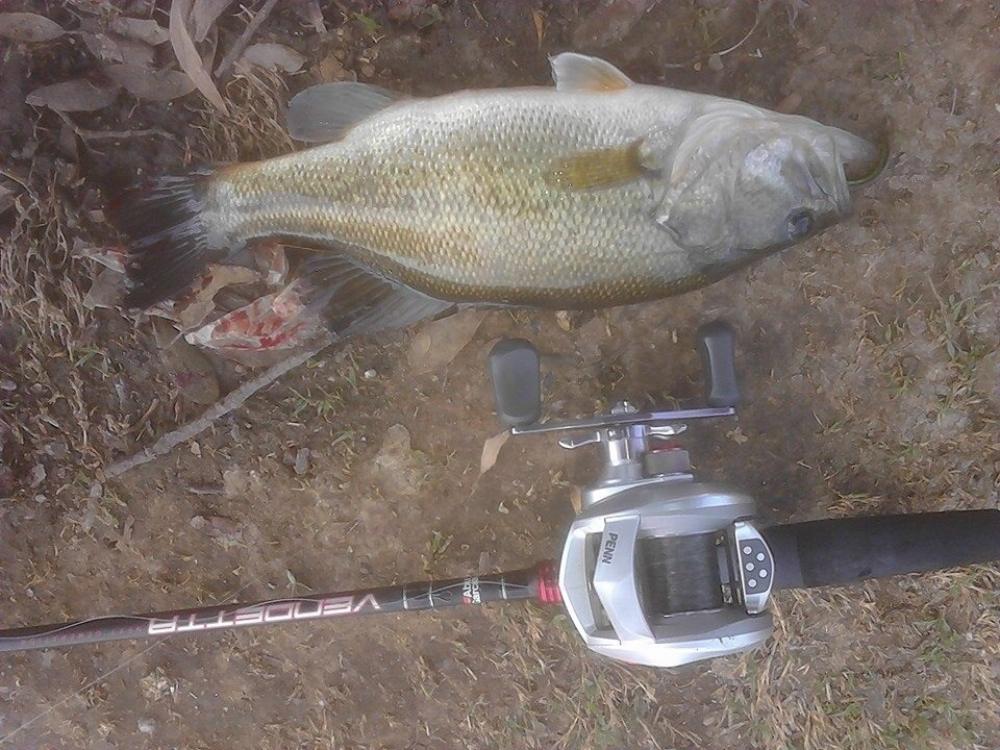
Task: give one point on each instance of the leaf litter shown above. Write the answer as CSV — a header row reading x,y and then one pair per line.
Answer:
x,y
29,27
188,57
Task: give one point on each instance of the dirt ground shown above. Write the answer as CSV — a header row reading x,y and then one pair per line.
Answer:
x,y
869,356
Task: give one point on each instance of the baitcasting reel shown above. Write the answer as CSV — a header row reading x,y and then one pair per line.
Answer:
x,y
658,568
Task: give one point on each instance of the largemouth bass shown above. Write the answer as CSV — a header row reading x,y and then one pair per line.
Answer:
x,y
596,192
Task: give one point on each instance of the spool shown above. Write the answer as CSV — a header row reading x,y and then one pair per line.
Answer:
x,y
679,574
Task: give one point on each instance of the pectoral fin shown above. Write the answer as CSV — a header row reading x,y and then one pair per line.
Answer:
x,y
599,168
574,72
355,300
325,112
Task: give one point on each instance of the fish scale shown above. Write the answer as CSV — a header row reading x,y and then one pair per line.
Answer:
x,y
459,211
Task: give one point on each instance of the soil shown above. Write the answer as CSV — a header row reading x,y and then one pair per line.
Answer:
x,y
867,356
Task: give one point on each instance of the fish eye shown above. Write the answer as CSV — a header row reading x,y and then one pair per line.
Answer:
x,y
799,223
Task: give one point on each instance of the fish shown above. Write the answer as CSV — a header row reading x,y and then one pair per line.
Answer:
x,y
595,192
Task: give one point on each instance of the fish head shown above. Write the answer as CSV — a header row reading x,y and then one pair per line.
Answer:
x,y
739,193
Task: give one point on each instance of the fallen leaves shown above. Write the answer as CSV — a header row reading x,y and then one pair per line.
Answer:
x,y
149,84
310,12
273,57
29,27
193,309
204,14
538,19
491,451
187,54
78,95
439,342
107,290
144,30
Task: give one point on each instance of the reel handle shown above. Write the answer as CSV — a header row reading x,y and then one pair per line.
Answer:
x,y
717,347
517,382
841,551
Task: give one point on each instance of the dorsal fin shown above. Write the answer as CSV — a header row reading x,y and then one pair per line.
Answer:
x,y
325,112
575,72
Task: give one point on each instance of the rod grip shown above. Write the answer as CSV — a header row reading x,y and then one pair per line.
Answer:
x,y
840,551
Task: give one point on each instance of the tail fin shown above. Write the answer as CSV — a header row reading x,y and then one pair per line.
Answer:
x,y
168,242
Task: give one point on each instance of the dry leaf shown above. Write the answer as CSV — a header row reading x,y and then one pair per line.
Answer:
x,y
135,52
273,57
271,260
192,310
491,451
7,196
187,54
576,499
332,69
29,27
538,17
145,30
190,370
102,46
72,96
109,257
116,49
204,14
439,342
152,85
107,291
310,12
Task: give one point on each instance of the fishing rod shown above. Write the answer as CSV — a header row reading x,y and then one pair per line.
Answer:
x,y
658,568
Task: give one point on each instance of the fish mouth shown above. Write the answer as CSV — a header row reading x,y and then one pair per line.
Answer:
x,y
862,160
860,173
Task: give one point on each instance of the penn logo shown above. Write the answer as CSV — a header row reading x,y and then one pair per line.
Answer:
x,y
608,552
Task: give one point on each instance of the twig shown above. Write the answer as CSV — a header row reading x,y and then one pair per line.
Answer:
x,y
232,401
99,134
740,43
222,72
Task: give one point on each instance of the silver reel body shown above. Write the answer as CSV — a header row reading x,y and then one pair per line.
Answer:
x,y
658,568
700,530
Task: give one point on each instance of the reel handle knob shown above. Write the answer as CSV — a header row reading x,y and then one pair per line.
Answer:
x,y
717,347
517,382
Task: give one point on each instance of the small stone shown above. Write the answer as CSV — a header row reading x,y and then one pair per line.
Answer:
x,y
370,375
7,385
236,483
41,499
195,449
57,449
301,461
715,63
37,475
96,490
368,70
485,562
146,726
